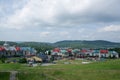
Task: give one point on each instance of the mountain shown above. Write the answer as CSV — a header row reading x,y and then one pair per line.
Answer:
x,y
67,43
87,44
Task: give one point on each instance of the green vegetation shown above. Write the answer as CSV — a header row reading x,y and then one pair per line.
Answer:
x,y
4,75
116,49
42,46
75,70
39,46
2,59
33,76
87,44
23,60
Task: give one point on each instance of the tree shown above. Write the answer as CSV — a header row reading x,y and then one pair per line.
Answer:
x,y
3,58
23,60
117,50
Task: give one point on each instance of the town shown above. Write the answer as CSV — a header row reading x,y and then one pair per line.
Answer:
x,y
59,39
22,59
9,51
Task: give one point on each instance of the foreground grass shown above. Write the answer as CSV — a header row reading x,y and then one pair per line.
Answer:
x,y
106,70
4,75
71,75
33,76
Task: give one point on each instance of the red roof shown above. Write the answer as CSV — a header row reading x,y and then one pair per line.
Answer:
x,y
84,51
17,48
2,48
103,51
56,50
69,50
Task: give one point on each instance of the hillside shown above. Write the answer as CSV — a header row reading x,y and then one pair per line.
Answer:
x,y
68,43
87,44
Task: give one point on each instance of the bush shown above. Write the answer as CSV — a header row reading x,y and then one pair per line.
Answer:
x,y
23,60
16,55
3,58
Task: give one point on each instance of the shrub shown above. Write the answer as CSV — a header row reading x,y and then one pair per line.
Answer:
x,y
23,60
3,58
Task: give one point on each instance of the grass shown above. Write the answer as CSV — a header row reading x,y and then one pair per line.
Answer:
x,y
105,70
33,76
10,66
4,75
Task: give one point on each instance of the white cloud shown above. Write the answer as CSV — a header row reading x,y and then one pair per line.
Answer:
x,y
45,34
64,33
33,11
111,28
1,9
52,12
81,30
61,19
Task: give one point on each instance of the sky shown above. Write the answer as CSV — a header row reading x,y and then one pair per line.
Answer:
x,y
56,20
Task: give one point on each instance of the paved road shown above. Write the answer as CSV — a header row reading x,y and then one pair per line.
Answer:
x,y
13,75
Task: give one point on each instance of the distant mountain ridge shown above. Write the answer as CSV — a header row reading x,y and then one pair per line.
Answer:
x,y
69,43
87,44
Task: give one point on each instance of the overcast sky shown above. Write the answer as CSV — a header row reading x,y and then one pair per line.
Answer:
x,y
55,20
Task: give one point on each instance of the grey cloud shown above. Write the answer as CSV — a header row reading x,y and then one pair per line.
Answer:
x,y
99,11
54,18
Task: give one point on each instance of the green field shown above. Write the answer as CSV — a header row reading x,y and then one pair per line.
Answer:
x,y
104,70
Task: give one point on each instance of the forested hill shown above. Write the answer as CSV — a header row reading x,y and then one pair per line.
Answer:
x,y
87,44
67,43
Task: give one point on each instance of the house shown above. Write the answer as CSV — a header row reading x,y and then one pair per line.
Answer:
x,y
104,53
56,54
11,51
44,57
113,54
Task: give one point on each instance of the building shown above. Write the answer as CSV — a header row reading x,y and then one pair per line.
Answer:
x,y
82,53
9,51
